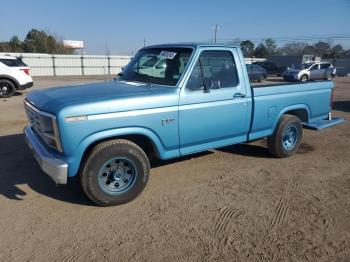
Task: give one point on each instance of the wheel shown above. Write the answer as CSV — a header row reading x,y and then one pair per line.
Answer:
x,y
7,88
115,172
330,76
286,138
261,78
304,78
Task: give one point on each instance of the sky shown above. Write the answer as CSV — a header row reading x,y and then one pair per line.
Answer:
x,y
122,26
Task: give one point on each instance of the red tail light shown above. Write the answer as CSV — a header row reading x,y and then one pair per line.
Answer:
x,y
25,70
331,100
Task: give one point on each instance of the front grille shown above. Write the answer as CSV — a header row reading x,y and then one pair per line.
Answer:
x,y
33,117
44,125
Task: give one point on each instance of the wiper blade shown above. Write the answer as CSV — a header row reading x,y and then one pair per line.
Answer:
x,y
118,75
144,76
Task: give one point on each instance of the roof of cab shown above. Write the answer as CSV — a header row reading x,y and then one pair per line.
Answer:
x,y
189,45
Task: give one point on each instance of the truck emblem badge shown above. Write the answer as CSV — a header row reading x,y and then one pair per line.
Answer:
x,y
167,121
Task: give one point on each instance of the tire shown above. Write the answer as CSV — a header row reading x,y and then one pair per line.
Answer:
x,y
261,78
330,76
285,140
115,172
304,78
7,88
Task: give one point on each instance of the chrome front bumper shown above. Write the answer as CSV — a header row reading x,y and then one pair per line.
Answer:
x,y
56,168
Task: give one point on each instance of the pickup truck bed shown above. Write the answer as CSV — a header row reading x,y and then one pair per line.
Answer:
x,y
302,99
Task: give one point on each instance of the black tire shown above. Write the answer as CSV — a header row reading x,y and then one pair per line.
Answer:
x,y
304,78
330,76
90,172
261,78
7,88
277,141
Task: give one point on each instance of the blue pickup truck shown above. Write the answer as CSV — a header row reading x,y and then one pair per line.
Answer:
x,y
198,99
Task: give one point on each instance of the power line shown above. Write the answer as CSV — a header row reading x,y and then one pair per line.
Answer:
x,y
300,38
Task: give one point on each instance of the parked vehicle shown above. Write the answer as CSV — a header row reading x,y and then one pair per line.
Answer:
x,y
271,68
285,61
153,66
107,132
310,71
256,73
14,75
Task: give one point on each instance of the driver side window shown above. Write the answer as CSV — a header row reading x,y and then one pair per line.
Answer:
x,y
214,68
314,67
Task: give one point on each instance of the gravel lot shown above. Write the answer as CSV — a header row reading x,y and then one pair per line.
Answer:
x,y
232,204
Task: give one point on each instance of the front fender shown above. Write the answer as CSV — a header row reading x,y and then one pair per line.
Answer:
x,y
164,153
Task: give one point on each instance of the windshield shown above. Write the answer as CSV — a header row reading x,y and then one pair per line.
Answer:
x,y
303,66
161,66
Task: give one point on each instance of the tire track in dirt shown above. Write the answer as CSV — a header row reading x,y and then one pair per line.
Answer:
x,y
220,230
280,213
73,257
223,220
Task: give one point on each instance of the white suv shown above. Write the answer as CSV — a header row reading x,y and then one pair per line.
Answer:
x,y
14,75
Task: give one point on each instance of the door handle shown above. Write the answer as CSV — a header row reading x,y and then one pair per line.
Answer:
x,y
238,95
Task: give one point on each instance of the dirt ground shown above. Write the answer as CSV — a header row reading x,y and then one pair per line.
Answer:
x,y
232,204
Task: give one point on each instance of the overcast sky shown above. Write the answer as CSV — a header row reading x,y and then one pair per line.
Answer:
x,y
122,26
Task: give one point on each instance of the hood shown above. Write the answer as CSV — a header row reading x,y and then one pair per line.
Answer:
x,y
53,99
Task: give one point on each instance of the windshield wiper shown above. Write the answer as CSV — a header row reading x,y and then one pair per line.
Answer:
x,y
146,78
116,77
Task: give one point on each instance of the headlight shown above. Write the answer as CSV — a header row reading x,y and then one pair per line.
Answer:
x,y
45,126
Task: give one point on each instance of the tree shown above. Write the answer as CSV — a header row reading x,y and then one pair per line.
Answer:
x,y
36,42
271,46
337,51
346,54
322,48
247,48
15,44
5,47
261,51
309,50
40,42
293,48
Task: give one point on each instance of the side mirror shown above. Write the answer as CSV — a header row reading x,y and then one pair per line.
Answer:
x,y
207,86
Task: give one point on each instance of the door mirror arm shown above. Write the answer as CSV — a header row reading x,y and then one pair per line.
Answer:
x,y
206,87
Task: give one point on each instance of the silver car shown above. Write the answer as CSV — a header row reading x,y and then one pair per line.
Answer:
x,y
310,71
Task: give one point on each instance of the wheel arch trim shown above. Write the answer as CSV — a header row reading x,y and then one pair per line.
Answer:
x,y
290,109
161,150
12,79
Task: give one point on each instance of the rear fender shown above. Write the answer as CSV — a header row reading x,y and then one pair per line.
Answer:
x,y
290,108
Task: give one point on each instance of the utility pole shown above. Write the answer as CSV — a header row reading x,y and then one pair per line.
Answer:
x,y
216,28
144,42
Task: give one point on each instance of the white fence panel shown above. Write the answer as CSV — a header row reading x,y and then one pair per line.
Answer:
x,y
62,65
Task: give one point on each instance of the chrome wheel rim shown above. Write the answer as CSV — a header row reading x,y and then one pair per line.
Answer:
x,y
290,137
117,175
4,89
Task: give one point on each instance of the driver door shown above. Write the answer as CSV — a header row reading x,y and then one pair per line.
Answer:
x,y
218,116
315,72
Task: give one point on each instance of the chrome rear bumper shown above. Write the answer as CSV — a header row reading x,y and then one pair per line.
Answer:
x,y
56,168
